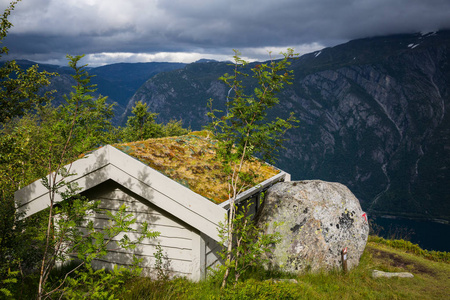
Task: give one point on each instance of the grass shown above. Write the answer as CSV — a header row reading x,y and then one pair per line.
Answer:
x,y
412,248
191,160
431,281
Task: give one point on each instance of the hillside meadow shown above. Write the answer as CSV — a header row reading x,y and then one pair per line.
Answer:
x,y
431,280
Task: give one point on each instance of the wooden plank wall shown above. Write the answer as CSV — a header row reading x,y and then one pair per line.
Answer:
x,y
176,238
212,249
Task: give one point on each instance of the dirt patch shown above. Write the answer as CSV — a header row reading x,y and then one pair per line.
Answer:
x,y
398,261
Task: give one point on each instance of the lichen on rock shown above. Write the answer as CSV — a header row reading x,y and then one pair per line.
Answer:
x,y
319,219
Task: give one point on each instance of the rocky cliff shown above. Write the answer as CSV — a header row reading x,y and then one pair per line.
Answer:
x,y
373,116
379,124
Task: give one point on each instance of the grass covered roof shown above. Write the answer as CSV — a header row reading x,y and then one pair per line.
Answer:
x,y
190,160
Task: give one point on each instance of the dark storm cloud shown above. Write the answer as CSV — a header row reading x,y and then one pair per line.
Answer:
x,y
262,23
45,29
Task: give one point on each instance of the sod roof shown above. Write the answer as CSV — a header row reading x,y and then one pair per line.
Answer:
x,y
191,161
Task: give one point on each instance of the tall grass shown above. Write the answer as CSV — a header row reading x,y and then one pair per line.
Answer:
x,y
356,284
431,271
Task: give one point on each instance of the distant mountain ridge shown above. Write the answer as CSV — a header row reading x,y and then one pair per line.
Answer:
x,y
374,116
120,81
117,81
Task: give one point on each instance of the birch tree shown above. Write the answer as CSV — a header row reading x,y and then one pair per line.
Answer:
x,y
245,131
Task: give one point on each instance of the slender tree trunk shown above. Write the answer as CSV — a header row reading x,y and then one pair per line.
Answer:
x,y
238,252
230,243
234,185
42,275
236,263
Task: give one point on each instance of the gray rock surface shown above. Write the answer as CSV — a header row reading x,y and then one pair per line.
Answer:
x,y
377,274
316,220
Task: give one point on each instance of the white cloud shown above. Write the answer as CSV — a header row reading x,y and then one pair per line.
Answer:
x,y
249,54
98,59
266,53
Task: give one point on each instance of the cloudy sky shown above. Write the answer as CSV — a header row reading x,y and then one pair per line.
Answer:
x,y
109,31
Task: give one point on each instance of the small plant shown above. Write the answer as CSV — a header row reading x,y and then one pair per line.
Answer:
x,y
162,264
6,283
88,283
251,246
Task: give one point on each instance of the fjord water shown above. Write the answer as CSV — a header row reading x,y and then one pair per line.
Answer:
x,y
428,235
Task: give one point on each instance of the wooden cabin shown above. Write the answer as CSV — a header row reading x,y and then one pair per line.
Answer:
x,y
173,184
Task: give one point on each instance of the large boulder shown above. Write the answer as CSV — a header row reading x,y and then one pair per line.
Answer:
x,y
316,220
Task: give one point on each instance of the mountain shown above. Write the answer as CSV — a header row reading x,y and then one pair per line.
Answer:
x,y
374,116
117,81
120,81
183,94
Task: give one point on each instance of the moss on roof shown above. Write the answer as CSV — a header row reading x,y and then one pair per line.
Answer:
x,y
191,161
